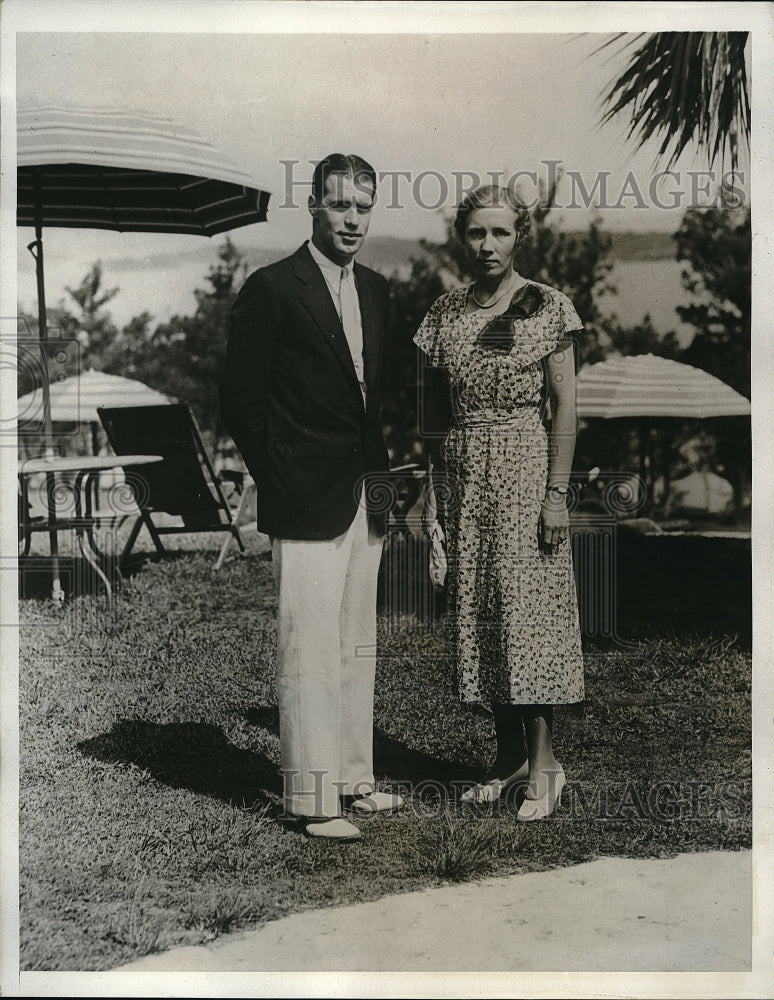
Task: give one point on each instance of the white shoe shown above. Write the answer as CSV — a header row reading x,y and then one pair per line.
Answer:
x,y
486,791
333,829
540,808
376,802
490,791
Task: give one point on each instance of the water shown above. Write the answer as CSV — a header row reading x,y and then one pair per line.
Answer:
x,y
164,285
649,286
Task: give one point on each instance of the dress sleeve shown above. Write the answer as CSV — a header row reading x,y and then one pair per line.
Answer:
x,y
571,324
428,336
544,331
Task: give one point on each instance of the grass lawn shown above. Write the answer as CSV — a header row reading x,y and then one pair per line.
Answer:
x,y
149,774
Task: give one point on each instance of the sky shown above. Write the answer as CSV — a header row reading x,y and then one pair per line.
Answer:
x,y
440,105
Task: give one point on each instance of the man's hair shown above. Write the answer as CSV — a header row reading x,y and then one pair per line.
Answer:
x,y
492,196
348,164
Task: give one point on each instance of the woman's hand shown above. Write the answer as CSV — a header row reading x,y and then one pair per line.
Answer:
x,y
554,527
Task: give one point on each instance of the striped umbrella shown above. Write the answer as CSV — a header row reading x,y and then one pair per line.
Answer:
x,y
75,400
645,385
98,168
87,168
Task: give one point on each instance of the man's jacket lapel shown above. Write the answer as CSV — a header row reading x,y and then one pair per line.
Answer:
x,y
317,301
367,315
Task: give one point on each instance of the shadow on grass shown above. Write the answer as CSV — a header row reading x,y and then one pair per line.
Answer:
x,y
199,757
393,760
399,762
138,559
76,576
193,755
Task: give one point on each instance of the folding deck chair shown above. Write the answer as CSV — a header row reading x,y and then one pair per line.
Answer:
x,y
184,484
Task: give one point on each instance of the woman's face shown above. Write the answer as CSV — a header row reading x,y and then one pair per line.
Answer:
x,y
490,240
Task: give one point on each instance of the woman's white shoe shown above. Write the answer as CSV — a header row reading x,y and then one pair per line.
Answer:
x,y
539,808
492,790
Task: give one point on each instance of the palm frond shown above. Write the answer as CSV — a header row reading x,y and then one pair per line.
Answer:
x,y
682,87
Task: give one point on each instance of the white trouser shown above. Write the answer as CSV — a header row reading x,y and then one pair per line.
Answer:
x,y
326,665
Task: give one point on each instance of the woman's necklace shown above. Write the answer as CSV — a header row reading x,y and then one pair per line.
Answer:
x,y
493,302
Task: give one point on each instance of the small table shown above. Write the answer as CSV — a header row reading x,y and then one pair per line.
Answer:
x,y
84,491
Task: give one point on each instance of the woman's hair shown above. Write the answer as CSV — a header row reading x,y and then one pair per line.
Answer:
x,y
492,196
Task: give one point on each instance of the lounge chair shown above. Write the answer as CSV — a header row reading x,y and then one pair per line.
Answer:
x,y
184,484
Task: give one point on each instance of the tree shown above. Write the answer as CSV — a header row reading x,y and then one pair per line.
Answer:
x,y
80,325
643,338
684,87
183,358
28,368
91,325
186,355
578,264
716,243
410,298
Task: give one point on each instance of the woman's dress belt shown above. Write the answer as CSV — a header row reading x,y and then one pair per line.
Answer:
x,y
475,418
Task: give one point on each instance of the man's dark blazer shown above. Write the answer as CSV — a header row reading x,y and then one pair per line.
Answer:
x,y
291,400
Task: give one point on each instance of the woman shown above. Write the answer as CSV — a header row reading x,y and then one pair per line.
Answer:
x,y
504,348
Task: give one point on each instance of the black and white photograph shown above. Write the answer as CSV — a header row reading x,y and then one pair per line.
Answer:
x,y
385,393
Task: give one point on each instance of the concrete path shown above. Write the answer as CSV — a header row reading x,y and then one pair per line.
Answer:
x,y
689,913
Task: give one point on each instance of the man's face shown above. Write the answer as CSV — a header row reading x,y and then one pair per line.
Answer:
x,y
341,218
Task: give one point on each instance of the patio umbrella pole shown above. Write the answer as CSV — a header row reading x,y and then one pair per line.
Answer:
x,y
644,441
36,249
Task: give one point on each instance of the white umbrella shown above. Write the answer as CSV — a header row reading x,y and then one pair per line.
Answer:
x,y
704,491
645,385
75,400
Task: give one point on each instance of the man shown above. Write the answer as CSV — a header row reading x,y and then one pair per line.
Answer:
x,y
300,398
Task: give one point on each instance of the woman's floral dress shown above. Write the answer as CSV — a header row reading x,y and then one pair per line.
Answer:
x,y
512,606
